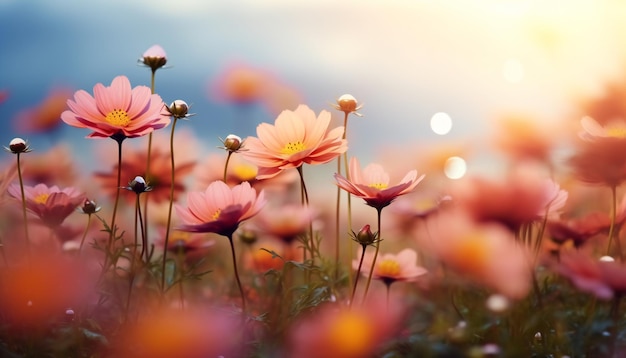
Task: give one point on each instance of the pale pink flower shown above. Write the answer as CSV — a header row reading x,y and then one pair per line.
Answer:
x,y
154,57
220,209
372,184
483,253
285,222
297,137
603,279
390,268
117,110
45,116
554,198
592,130
50,204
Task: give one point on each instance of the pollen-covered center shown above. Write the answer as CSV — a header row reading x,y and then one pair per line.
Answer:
x,y
41,198
118,117
216,214
379,186
616,132
245,172
293,147
389,268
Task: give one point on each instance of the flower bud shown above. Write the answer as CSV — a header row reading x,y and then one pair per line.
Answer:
x,y
89,207
365,236
138,185
232,143
248,237
179,109
347,104
18,145
154,57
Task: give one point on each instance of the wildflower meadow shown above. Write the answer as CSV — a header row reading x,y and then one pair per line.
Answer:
x,y
286,244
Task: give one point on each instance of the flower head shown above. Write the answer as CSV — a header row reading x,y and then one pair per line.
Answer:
x,y
117,110
390,268
138,185
297,137
286,222
348,104
232,143
154,57
179,109
372,184
220,209
51,204
18,145
45,116
602,278
89,207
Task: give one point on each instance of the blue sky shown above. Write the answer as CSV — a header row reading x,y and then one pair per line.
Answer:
x,y
406,60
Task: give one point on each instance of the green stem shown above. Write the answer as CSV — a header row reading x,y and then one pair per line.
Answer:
x,y
369,277
226,166
358,273
612,227
243,297
148,158
82,240
19,174
117,201
338,207
305,202
169,210
144,237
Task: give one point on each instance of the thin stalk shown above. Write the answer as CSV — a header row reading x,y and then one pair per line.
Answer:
x,y
226,165
369,277
117,201
338,207
358,273
169,210
82,240
149,156
305,201
144,237
181,267
19,173
612,227
232,251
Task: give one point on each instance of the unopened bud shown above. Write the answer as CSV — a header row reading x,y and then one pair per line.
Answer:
x,y
347,104
365,236
138,185
18,145
178,109
154,57
232,143
248,237
89,207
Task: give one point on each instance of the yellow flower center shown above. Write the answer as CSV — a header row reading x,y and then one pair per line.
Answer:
x,y
177,235
616,132
379,186
41,198
389,268
293,147
216,214
118,117
245,172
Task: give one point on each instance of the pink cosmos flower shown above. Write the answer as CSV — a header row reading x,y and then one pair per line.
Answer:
x,y
286,222
220,209
603,279
44,117
296,137
117,110
372,184
51,204
484,253
390,268
592,130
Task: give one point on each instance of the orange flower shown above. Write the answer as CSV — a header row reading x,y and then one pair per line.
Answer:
x,y
372,184
297,137
46,116
134,162
391,268
485,253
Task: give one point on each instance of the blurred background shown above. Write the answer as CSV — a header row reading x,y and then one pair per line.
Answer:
x,y
429,73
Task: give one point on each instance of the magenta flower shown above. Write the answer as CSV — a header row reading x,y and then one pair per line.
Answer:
x,y
372,184
50,204
220,209
118,110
